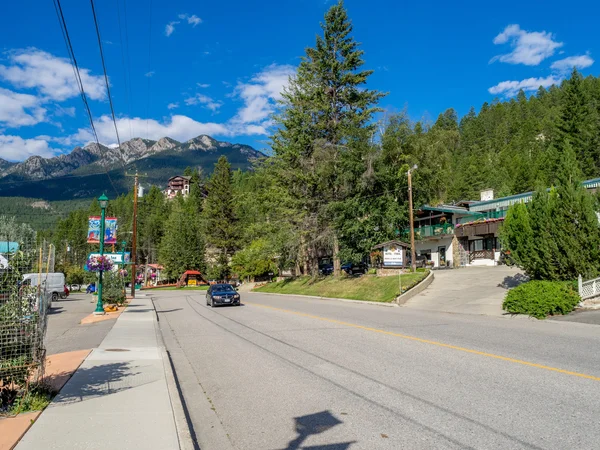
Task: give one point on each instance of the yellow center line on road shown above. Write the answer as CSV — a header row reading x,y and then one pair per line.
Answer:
x,y
427,341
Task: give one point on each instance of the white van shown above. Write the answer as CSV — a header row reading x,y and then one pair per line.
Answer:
x,y
53,282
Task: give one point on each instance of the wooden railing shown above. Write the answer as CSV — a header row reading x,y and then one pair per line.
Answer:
x,y
481,254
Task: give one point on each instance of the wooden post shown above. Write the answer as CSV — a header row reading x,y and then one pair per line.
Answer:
x,y
134,238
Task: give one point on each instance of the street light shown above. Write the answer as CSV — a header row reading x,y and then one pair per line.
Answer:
x,y
103,200
413,262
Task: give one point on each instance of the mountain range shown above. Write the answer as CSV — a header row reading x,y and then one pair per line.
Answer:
x,y
82,173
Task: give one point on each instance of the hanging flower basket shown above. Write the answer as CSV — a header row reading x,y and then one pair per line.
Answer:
x,y
99,263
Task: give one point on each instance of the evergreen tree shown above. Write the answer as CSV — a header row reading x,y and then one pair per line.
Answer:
x,y
182,247
326,113
557,237
220,218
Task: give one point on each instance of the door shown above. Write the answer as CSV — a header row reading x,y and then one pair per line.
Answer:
x,y
442,255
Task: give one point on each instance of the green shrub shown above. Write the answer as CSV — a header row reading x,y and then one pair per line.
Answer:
x,y
112,288
372,271
540,299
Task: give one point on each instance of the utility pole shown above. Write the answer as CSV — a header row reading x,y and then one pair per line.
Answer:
x,y
134,236
413,257
134,241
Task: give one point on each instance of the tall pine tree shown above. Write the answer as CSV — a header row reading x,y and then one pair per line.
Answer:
x,y
326,112
220,218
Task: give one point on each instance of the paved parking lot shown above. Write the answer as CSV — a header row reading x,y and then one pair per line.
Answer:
x,y
468,290
65,333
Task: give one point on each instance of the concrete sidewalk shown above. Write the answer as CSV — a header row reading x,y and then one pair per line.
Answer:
x,y
123,395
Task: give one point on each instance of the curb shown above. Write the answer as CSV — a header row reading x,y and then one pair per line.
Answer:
x,y
402,299
212,433
181,422
364,302
180,417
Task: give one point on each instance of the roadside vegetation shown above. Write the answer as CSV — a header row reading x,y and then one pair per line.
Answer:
x,y
367,287
541,299
554,239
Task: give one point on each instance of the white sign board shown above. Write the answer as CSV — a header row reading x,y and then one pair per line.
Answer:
x,y
392,255
116,258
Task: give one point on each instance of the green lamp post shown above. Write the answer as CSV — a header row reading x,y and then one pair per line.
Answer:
x,y
103,200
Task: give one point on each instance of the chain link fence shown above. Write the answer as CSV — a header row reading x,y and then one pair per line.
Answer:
x,y
26,272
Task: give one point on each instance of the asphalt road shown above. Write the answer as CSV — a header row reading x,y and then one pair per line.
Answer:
x,y
284,372
64,332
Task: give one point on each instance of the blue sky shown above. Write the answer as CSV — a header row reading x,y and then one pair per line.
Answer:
x,y
217,68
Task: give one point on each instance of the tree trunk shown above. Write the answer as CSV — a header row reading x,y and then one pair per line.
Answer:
x,y
337,266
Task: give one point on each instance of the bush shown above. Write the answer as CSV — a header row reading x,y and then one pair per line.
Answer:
x,y
112,288
540,299
372,271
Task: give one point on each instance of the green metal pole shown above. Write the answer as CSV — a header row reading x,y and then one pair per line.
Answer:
x,y
99,305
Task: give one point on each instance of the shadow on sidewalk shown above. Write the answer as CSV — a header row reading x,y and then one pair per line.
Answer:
x,y
91,382
315,424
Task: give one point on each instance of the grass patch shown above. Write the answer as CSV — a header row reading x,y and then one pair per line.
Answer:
x,y
173,288
367,287
37,397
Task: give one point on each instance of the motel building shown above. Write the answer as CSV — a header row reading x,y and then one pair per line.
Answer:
x,y
466,233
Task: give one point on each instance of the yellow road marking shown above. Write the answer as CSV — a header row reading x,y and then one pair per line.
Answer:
x,y
427,341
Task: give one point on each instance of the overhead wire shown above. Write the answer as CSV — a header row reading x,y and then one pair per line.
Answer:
x,y
110,102
149,76
125,72
65,32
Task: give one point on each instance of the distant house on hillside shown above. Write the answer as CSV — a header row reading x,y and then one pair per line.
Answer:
x,y
178,184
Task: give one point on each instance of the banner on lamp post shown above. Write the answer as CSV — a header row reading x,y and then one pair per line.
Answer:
x,y
110,230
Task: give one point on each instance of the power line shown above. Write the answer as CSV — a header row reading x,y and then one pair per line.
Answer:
x,y
149,68
65,32
126,83
110,102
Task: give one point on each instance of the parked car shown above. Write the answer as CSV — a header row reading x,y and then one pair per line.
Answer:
x,y
54,283
222,294
355,268
325,269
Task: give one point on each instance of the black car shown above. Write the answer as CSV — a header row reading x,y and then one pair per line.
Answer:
x,y
222,294
325,269
354,268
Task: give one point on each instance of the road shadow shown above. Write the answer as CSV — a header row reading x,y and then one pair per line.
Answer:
x,y
168,310
513,281
55,310
312,424
91,382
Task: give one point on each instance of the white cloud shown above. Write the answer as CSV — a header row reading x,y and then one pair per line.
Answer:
x,y
15,148
173,105
204,100
202,85
567,64
177,127
511,88
192,20
149,74
170,27
18,110
529,48
262,92
52,76
61,111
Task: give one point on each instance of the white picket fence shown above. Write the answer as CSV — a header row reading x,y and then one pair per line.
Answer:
x,y
588,288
